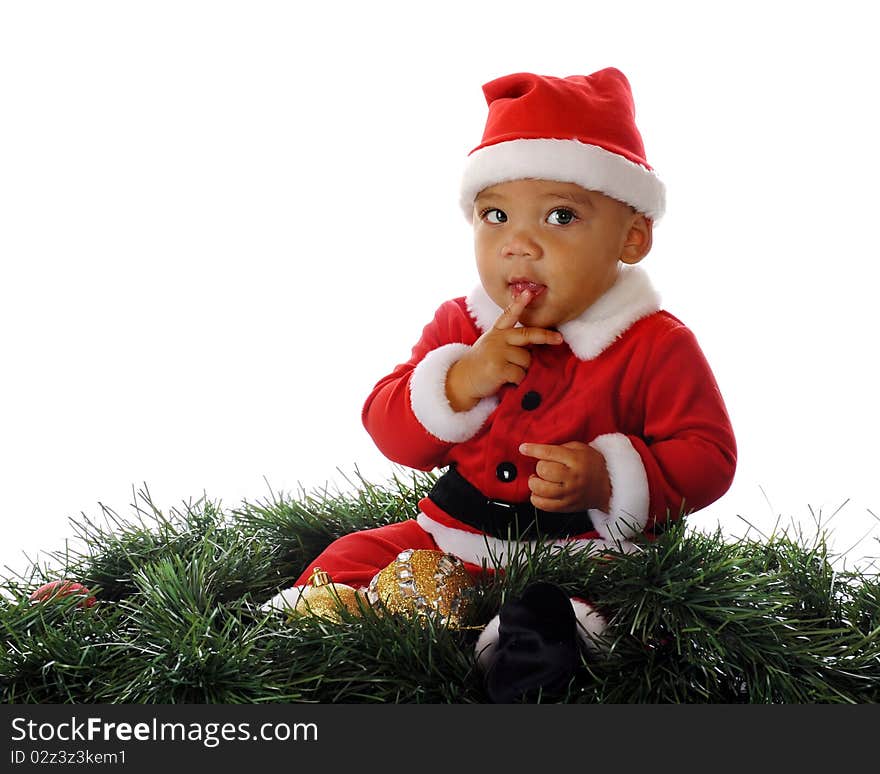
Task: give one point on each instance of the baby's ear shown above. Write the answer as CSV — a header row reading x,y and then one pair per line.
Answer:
x,y
639,239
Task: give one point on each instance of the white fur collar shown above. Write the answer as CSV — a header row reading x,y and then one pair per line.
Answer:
x,y
629,299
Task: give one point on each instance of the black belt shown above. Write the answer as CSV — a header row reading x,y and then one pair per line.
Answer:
x,y
463,501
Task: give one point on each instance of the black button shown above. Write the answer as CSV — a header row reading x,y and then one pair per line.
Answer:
x,y
506,471
531,400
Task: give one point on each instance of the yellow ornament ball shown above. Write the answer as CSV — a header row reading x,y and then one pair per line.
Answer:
x,y
324,599
421,582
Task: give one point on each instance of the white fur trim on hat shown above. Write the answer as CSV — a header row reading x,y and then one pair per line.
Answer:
x,y
567,161
630,499
429,403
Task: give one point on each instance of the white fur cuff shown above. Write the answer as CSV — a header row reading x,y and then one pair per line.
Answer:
x,y
591,625
283,601
487,642
630,499
429,402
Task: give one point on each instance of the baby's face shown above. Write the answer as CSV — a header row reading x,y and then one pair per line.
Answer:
x,y
559,240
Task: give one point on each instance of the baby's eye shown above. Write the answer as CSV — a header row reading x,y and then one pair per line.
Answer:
x,y
561,217
494,215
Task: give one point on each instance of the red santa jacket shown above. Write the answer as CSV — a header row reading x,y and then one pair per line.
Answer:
x,y
629,379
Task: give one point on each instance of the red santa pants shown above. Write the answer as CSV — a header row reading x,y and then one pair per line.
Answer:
x,y
355,558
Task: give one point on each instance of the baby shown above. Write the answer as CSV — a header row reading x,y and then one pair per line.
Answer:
x,y
566,405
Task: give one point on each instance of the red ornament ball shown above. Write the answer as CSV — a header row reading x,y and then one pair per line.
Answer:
x,y
53,590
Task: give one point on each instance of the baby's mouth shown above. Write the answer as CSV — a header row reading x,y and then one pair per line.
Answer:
x,y
519,286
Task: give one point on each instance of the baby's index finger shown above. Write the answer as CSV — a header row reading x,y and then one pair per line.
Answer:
x,y
545,451
510,316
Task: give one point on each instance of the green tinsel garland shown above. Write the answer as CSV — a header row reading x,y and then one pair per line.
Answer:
x,y
694,617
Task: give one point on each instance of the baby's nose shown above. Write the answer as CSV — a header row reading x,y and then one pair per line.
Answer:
x,y
521,243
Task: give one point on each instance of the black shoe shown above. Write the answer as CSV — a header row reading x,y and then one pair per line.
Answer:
x,y
537,646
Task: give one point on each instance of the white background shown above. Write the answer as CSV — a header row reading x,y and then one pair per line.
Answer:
x,y
222,222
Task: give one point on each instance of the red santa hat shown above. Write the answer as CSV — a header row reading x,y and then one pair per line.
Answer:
x,y
580,129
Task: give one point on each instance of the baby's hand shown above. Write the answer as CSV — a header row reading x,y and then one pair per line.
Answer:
x,y
569,478
497,358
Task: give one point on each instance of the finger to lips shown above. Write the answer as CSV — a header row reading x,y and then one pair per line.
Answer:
x,y
510,316
521,336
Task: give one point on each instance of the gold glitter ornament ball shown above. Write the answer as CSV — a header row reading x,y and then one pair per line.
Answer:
x,y
324,599
422,583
